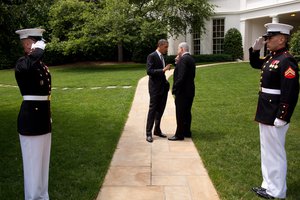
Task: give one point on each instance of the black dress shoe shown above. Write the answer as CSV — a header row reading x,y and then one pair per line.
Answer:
x,y
264,194
188,136
255,189
160,134
149,138
174,138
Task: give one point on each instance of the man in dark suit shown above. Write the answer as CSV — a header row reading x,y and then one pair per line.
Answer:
x,y
278,96
34,120
184,91
158,88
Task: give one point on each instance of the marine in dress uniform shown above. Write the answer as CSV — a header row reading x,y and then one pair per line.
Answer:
x,y
184,91
158,89
278,96
34,120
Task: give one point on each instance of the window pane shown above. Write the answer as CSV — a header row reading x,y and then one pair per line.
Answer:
x,y
196,43
218,35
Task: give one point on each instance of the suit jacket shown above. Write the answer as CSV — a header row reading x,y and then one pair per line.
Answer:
x,y
184,75
34,78
157,79
279,71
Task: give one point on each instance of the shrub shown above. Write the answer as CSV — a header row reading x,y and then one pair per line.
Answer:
x,y
233,44
6,61
295,43
205,58
297,57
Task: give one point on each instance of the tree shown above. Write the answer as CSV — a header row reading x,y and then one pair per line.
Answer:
x,y
81,29
233,44
18,14
122,23
73,33
118,21
295,43
137,20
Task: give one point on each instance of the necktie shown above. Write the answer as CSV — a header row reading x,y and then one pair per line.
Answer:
x,y
162,60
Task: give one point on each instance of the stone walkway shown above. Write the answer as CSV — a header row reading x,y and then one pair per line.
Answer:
x,y
162,170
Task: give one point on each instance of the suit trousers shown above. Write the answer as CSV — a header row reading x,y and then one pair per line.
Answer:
x,y
36,159
183,105
273,159
156,109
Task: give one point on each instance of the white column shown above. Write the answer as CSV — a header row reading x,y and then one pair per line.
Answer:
x,y
243,4
189,41
275,18
171,49
245,37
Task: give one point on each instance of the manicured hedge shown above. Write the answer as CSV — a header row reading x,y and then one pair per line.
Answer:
x,y
205,58
297,57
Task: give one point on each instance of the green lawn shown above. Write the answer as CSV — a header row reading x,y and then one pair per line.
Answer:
x,y
226,135
86,127
87,124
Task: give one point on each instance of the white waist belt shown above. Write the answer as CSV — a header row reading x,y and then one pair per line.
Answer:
x,y
36,98
270,91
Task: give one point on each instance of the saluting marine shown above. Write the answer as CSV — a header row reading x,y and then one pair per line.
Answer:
x,y
34,120
278,96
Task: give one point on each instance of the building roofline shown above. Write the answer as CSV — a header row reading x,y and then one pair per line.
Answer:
x,y
245,11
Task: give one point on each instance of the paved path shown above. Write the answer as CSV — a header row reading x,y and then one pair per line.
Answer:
x,y
162,170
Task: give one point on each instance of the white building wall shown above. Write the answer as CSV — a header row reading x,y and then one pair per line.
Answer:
x,y
206,38
248,16
226,5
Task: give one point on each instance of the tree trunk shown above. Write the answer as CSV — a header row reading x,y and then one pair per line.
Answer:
x,y
120,52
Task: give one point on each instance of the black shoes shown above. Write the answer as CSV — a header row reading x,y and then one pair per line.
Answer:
x,y
255,189
149,138
160,134
262,192
175,138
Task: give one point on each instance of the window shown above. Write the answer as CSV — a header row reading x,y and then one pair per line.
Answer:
x,y
218,36
196,43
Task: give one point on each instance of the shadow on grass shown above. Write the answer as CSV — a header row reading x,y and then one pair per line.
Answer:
x,y
97,68
294,186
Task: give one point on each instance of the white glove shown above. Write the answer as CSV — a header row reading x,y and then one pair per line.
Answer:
x,y
39,44
279,123
258,44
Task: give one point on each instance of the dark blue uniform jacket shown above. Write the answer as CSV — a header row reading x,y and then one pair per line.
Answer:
x,y
279,71
33,78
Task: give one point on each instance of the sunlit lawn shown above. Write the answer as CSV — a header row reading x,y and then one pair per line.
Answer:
x,y
227,136
88,119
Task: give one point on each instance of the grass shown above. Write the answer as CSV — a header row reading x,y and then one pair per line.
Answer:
x,y
87,124
86,127
226,135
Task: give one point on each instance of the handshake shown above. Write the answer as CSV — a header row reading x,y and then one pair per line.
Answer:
x,y
167,67
39,44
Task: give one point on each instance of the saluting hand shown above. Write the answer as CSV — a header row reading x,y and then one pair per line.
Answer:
x,y
258,44
39,44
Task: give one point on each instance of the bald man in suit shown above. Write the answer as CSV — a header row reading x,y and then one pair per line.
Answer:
x,y
184,91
